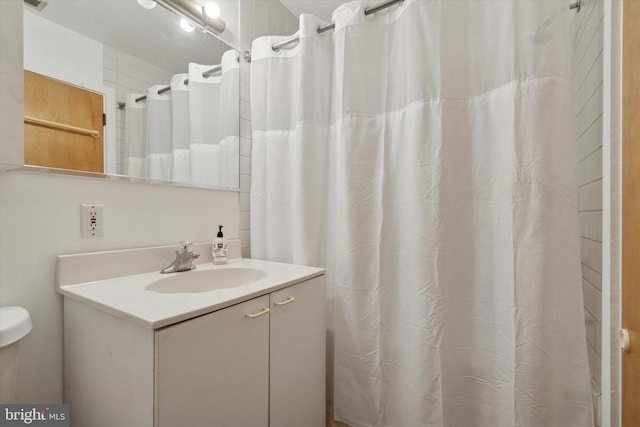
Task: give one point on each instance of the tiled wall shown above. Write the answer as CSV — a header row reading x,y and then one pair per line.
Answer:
x,y
587,31
128,74
257,18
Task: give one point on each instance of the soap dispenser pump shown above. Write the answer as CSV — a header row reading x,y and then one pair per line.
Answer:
x,y
219,248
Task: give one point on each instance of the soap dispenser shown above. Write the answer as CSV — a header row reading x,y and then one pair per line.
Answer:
x,y
219,248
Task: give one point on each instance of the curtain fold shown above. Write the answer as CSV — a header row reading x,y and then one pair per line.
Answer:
x,y
159,131
181,150
135,163
191,133
423,155
204,95
229,145
290,122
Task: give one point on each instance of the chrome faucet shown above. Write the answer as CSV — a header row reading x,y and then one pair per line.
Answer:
x,y
183,260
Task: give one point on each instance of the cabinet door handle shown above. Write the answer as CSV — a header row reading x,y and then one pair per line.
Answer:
x,y
285,302
258,314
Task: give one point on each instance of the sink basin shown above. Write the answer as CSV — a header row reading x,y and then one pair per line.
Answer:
x,y
206,280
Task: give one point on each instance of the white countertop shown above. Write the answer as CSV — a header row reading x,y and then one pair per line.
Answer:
x,y
127,298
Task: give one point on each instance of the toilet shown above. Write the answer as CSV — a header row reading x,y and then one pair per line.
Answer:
x,y
15,324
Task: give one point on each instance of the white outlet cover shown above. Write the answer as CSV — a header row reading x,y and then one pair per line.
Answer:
x,y
91,220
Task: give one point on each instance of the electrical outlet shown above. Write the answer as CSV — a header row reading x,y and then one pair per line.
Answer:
x,y
91,219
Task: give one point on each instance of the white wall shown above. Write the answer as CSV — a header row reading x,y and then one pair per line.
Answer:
x,y
587,30
40,218
46,51
11,85
257,18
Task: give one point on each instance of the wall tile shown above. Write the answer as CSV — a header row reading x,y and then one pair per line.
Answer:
x,y
245,236
245,128
245,109
587,43
245,146
244,220
590,297
245,165
590,324
245,202
598,346
245,90
245,183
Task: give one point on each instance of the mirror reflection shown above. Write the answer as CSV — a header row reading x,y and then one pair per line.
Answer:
x,y
118,89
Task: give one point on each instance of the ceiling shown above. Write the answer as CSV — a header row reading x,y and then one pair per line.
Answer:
x,y
320,8
151,35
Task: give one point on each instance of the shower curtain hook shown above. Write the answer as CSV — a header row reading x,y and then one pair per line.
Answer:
x,y
575,5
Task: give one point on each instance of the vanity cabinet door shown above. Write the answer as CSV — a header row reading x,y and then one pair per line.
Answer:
x,y
214,370
297,363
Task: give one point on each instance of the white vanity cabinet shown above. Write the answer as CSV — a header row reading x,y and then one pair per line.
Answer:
x,y
214,370
260,362
297,356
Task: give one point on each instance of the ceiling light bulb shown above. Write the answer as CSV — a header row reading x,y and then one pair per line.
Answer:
x,y
186,25
147,4
212,10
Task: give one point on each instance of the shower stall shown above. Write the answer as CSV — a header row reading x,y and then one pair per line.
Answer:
x,y
423,152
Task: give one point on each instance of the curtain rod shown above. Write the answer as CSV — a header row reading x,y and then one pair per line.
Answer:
x,y
207,73
277,46
295,39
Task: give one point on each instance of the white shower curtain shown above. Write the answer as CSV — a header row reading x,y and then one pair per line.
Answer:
x,y
204,95
191,133
230,120
215,131
181,157
423,154
159,134
135,164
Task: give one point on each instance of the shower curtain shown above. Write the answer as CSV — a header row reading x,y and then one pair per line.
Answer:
x,y
230,120
158,134
181,156
135,163
423,155
215,133
189,134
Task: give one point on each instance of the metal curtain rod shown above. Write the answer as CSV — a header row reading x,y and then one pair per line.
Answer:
x,y
277,46
207,73
295,39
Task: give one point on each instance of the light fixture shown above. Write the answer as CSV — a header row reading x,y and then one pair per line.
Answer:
x,y
186,25
211,9
194,14
147,4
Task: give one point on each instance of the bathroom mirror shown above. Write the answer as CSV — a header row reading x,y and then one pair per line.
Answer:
x,y
170,98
